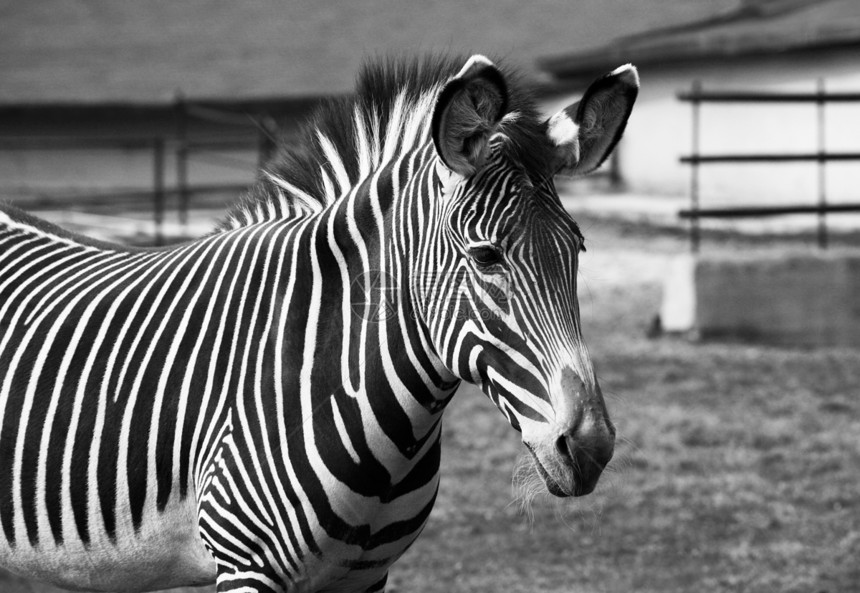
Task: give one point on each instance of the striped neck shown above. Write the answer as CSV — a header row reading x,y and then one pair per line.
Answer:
x,y
373,239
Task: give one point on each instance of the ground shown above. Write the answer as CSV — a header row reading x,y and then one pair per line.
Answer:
x,y
737,466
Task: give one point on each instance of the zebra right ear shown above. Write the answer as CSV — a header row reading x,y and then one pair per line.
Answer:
x,y
467,113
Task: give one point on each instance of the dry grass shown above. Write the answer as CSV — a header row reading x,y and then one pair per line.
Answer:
x,y
737,467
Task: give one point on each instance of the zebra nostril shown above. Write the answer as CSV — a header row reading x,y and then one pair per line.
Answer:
x,y
563,448
585,451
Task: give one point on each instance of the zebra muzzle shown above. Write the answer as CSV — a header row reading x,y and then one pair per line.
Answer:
x,y
572,465
586,456
571,458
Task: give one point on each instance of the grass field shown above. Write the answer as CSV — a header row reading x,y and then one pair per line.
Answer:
x,y
737,467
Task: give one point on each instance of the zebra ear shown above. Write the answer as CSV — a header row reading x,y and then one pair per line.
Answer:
x,y
467,112
585,132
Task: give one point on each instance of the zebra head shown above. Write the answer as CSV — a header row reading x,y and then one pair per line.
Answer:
x,y
504,313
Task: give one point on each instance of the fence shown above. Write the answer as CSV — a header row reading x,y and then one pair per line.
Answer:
x,y
697,96
258,134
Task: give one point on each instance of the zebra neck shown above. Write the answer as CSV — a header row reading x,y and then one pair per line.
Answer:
x,y
368,245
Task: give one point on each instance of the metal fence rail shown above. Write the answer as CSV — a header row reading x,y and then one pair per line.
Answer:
x,y
697,96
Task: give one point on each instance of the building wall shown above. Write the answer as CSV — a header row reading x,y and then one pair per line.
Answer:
x,y
659,131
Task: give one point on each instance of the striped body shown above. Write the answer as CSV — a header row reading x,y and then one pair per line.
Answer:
x,y
262,407
108,351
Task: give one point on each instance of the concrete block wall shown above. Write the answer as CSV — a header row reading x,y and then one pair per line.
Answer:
x,y
801,299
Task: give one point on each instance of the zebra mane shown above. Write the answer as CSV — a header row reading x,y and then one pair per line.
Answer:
x,y
347,138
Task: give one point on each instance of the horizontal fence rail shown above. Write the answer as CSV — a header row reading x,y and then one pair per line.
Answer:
x,y
766,97
118,142
697,96
42,199
771,158
763,211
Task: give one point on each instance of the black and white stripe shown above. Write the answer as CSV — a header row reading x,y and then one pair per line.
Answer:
x,y
262,407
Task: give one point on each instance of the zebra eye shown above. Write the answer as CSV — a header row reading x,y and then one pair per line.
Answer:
x,y
485,255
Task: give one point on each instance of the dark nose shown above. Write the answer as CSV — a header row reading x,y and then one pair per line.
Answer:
x,y
586,448
588,439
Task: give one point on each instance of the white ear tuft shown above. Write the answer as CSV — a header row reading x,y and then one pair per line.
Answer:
x,y
562,129
628,74
477,61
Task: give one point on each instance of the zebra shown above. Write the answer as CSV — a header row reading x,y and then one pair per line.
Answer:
x,y
261,408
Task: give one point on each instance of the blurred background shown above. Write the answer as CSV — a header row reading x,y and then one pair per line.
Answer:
x,y
719,290
161,107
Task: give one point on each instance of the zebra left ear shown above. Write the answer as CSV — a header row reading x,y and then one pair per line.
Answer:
x,y
467,112
585,132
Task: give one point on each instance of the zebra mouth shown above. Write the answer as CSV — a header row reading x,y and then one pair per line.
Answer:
x,y
552,486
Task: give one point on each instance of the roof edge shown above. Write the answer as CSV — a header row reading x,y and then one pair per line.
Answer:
x,y
252,104
581,65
